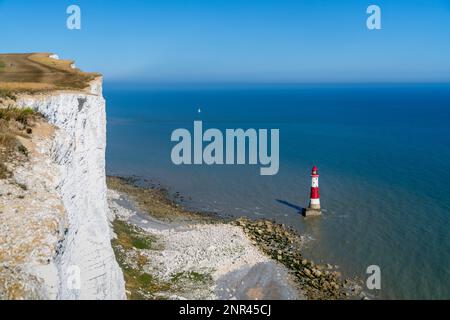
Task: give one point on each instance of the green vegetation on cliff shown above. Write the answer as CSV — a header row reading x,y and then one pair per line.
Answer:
x,y
14,123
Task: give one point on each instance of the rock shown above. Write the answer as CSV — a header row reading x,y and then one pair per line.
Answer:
x,y
315,284
304,262
317,273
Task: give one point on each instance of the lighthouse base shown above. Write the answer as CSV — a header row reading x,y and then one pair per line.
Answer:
x,y
310,212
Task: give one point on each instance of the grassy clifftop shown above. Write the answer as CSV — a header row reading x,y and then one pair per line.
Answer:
x,y
34,72
29,73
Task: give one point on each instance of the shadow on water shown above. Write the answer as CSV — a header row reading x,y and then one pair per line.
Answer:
x,y
291,205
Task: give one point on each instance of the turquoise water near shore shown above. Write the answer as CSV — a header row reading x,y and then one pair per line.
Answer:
x,y
383,152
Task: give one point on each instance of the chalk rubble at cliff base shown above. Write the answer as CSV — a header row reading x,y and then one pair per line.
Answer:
x,y
219,251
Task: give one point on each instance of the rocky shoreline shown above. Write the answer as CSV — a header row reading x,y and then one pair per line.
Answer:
x,y
271,250
281,243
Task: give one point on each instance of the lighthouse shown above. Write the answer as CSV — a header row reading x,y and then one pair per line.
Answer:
x,y
314,202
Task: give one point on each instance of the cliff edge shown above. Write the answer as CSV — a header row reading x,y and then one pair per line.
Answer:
x,y
55,230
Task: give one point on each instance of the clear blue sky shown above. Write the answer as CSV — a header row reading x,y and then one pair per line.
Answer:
x,y
238,41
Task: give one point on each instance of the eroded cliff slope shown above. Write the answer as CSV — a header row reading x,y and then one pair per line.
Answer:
x,y
79,262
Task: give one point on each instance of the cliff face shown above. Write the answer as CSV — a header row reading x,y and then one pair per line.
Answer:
x,y
78,149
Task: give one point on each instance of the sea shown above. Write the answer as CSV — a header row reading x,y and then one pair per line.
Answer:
x,y
382,151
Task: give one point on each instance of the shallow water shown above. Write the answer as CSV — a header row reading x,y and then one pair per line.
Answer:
x,y
383,153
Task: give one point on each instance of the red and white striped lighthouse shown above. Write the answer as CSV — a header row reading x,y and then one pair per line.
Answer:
x,y
314,202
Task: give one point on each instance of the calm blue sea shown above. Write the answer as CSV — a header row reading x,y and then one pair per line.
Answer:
x,y
383,153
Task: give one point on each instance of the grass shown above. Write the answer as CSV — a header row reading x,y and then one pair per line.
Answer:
x,y
21,115
129,248
4,173
129,237
7,94
23,150
192,276
7,139
133,247
142,243
14,122
36,72
139,284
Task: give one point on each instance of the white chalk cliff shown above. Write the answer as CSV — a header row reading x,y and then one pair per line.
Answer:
x,y
78,150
